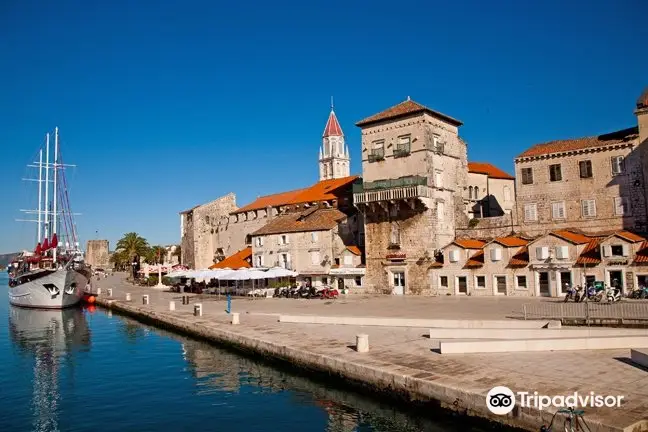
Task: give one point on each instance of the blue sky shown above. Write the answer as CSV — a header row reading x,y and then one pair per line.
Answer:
x,y
169,105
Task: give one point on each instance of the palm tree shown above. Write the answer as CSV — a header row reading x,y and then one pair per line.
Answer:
x,y
119,259
132,245
157,254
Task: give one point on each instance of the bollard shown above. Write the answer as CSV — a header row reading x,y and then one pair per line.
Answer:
x,y
128,298
235,318
145,299
198,309
229,303
362,343
109,292
98,291
171,305
185,300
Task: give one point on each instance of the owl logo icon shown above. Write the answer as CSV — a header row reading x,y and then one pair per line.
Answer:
x,y
500,400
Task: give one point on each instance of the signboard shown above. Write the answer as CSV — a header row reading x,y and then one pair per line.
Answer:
x,y
629,280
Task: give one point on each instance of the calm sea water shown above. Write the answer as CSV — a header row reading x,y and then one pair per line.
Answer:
x,y
83,370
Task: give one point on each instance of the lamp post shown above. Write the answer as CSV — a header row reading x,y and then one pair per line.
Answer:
x,y
160,284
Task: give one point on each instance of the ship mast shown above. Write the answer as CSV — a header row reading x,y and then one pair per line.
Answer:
x,y
56,147
47,146
40,192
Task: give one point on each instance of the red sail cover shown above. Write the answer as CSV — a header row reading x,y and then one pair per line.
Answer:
x,y
38,249
45,244
54,242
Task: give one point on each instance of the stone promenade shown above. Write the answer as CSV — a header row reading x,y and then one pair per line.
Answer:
x,y
404,359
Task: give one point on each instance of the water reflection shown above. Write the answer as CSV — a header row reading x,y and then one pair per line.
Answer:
x,y
49,336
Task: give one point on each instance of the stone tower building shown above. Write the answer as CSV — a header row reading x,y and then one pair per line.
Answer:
x,y
414,171
334,160
97,254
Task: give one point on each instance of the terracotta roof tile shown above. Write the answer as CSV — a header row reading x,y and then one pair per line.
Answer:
x,y
320,191
561,146
642,254
355,250
521,258
591,255
404,109
477,260
332,126
240,259
511,241
469,243
489,169
571,236
319,219
629,236
642,102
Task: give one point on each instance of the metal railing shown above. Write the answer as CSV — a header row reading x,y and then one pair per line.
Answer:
x,y
392,194
588,312
390,184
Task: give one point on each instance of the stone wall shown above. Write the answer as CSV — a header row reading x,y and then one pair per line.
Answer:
x,y
488,228
97,254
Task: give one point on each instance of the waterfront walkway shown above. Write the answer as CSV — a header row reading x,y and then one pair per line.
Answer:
x,y
405,358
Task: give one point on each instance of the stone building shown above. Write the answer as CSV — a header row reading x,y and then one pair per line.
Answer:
x,y
97,254
490,191
414,168
593,183
319,243
196,229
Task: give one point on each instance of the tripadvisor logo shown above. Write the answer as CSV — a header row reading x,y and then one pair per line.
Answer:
x,y
500,400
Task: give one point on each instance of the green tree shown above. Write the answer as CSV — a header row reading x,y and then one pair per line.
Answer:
x,y
132,244
156,255
178,252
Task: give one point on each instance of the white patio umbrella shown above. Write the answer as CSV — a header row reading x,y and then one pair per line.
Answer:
x,y
279,272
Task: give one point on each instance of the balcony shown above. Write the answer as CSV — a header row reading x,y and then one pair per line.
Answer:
x,y
404,188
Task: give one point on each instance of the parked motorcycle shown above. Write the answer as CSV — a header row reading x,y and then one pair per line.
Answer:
x,y
580,293
613,295
571,293
330,293
639,293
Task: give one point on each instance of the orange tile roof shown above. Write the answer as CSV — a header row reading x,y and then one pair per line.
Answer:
x,y
642,102
511,241
477,260
313,219
642,254
404,109
521,258
489,169
320,191
629,236
469,243
561,146
239,260
591,255
571,236
355,250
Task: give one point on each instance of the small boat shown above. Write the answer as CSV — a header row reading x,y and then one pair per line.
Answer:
x,y
54,275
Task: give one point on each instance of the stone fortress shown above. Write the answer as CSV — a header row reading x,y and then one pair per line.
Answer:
x,y
97,254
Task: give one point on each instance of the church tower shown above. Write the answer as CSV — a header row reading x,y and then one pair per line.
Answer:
x,y
334,160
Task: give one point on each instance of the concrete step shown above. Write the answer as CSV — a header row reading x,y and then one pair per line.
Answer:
x,y
551,344
537,333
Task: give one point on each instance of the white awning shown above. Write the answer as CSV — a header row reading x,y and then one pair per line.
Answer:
x,y
353,271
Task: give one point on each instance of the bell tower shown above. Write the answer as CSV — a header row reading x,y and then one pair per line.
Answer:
x,y
334,160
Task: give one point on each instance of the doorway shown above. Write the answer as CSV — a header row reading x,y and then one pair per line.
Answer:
x,y
565,278
462,284
616,279
399,283
340,284
500,285
543,283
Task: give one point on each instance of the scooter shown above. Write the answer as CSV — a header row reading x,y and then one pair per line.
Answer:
x,y
571,293
613,295
639,293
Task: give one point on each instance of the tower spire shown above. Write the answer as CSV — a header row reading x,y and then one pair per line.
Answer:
x,y
332,103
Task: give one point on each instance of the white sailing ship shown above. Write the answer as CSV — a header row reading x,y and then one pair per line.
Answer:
x,y
54,276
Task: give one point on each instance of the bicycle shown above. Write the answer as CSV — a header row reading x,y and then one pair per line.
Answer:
x,y
575,421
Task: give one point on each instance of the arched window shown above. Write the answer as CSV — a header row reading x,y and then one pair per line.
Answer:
x,y
395,234
470,192
507,193
325,170
476,192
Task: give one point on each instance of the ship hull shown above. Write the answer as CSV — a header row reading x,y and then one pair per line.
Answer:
x,y
56,289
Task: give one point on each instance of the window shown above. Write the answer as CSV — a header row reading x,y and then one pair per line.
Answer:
x,y
440,210
259,261
475,192
507,194
325,170
542,253
617,250
555,173
621,206
314,237
480,282
395,234
618,165
443,281
403,146
521,282
531,212
558,210
283,239
527,176
207,220
470,192
453,256
315,257
348,259
437,145
377,151
438,179
496,254
585,168
358,280
284,260
588,208
337,261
